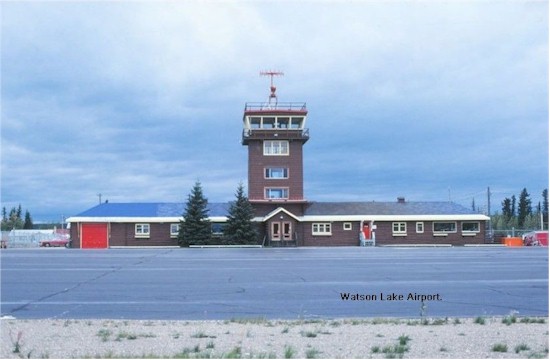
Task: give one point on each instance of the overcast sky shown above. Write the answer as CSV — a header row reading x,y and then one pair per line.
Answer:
x,y
138,100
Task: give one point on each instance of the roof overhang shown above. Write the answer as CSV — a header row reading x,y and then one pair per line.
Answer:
x,y
275,212
461,217
124,219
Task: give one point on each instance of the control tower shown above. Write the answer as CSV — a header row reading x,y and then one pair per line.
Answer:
x,y
275,133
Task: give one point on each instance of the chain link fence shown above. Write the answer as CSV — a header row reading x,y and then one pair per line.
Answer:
x,y
27,238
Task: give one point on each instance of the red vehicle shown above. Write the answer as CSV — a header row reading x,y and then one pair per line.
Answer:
x,y
54,243
536,238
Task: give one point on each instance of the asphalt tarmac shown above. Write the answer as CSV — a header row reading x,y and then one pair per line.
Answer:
x,y
285,283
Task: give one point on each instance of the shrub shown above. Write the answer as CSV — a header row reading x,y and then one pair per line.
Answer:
x,y
500,348
479,320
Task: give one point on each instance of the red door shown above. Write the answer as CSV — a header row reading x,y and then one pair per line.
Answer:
x,y
94,236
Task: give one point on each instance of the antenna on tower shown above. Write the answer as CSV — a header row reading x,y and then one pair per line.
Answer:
x,y
273,95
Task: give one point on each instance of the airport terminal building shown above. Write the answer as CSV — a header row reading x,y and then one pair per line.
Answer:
x,y
275,134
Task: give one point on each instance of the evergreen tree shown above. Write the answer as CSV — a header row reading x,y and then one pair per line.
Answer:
x,y
195,227
28,221
507,209
545,207
524,207
239,228
513,205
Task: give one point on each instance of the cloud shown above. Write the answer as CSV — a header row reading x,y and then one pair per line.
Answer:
x,y
139,100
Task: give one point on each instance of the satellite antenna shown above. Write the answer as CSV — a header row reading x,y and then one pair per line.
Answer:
x,y
273,95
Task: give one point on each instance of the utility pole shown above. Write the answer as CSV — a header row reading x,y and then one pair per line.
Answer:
x,y
99,198
489,211
488,201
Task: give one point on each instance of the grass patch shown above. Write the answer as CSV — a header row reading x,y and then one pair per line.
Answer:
x,y
479,320
125,335
375,349
404,339
255,321
527,320
202,335
289,352
440,321
17,342
500,348
270,355
210,345
104,334
309,334
395,351
509,320
521,347
312,353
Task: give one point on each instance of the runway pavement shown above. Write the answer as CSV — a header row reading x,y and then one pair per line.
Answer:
x,y
273,282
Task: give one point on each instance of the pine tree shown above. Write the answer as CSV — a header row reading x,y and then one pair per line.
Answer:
x,y
28,221
239,228
524,207
507,209
545,207
195,227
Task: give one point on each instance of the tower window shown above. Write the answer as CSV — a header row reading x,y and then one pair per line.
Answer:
x,y
268,123
282,122
255,122
276,193
276,173
275,147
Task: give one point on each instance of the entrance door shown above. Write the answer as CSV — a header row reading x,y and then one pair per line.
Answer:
x,y
287,230
281,230
275,231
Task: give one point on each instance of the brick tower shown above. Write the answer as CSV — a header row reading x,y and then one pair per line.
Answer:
x,y
275,133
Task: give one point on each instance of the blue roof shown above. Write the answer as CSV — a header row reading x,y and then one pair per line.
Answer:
x,y
149,210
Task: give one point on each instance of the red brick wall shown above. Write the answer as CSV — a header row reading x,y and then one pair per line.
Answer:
x,y
257,162
75,235
123,234
384,235
339,237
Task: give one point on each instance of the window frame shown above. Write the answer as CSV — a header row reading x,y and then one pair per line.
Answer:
x,y
347,226
268,148
268,172
284,191
419,227
174,233
443,232
401,228
141,233
321,229
470,231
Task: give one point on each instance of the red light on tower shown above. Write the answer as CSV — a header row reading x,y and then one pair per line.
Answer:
x,y
273,89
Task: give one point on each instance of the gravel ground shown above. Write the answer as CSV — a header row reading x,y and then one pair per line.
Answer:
x,y
260,338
